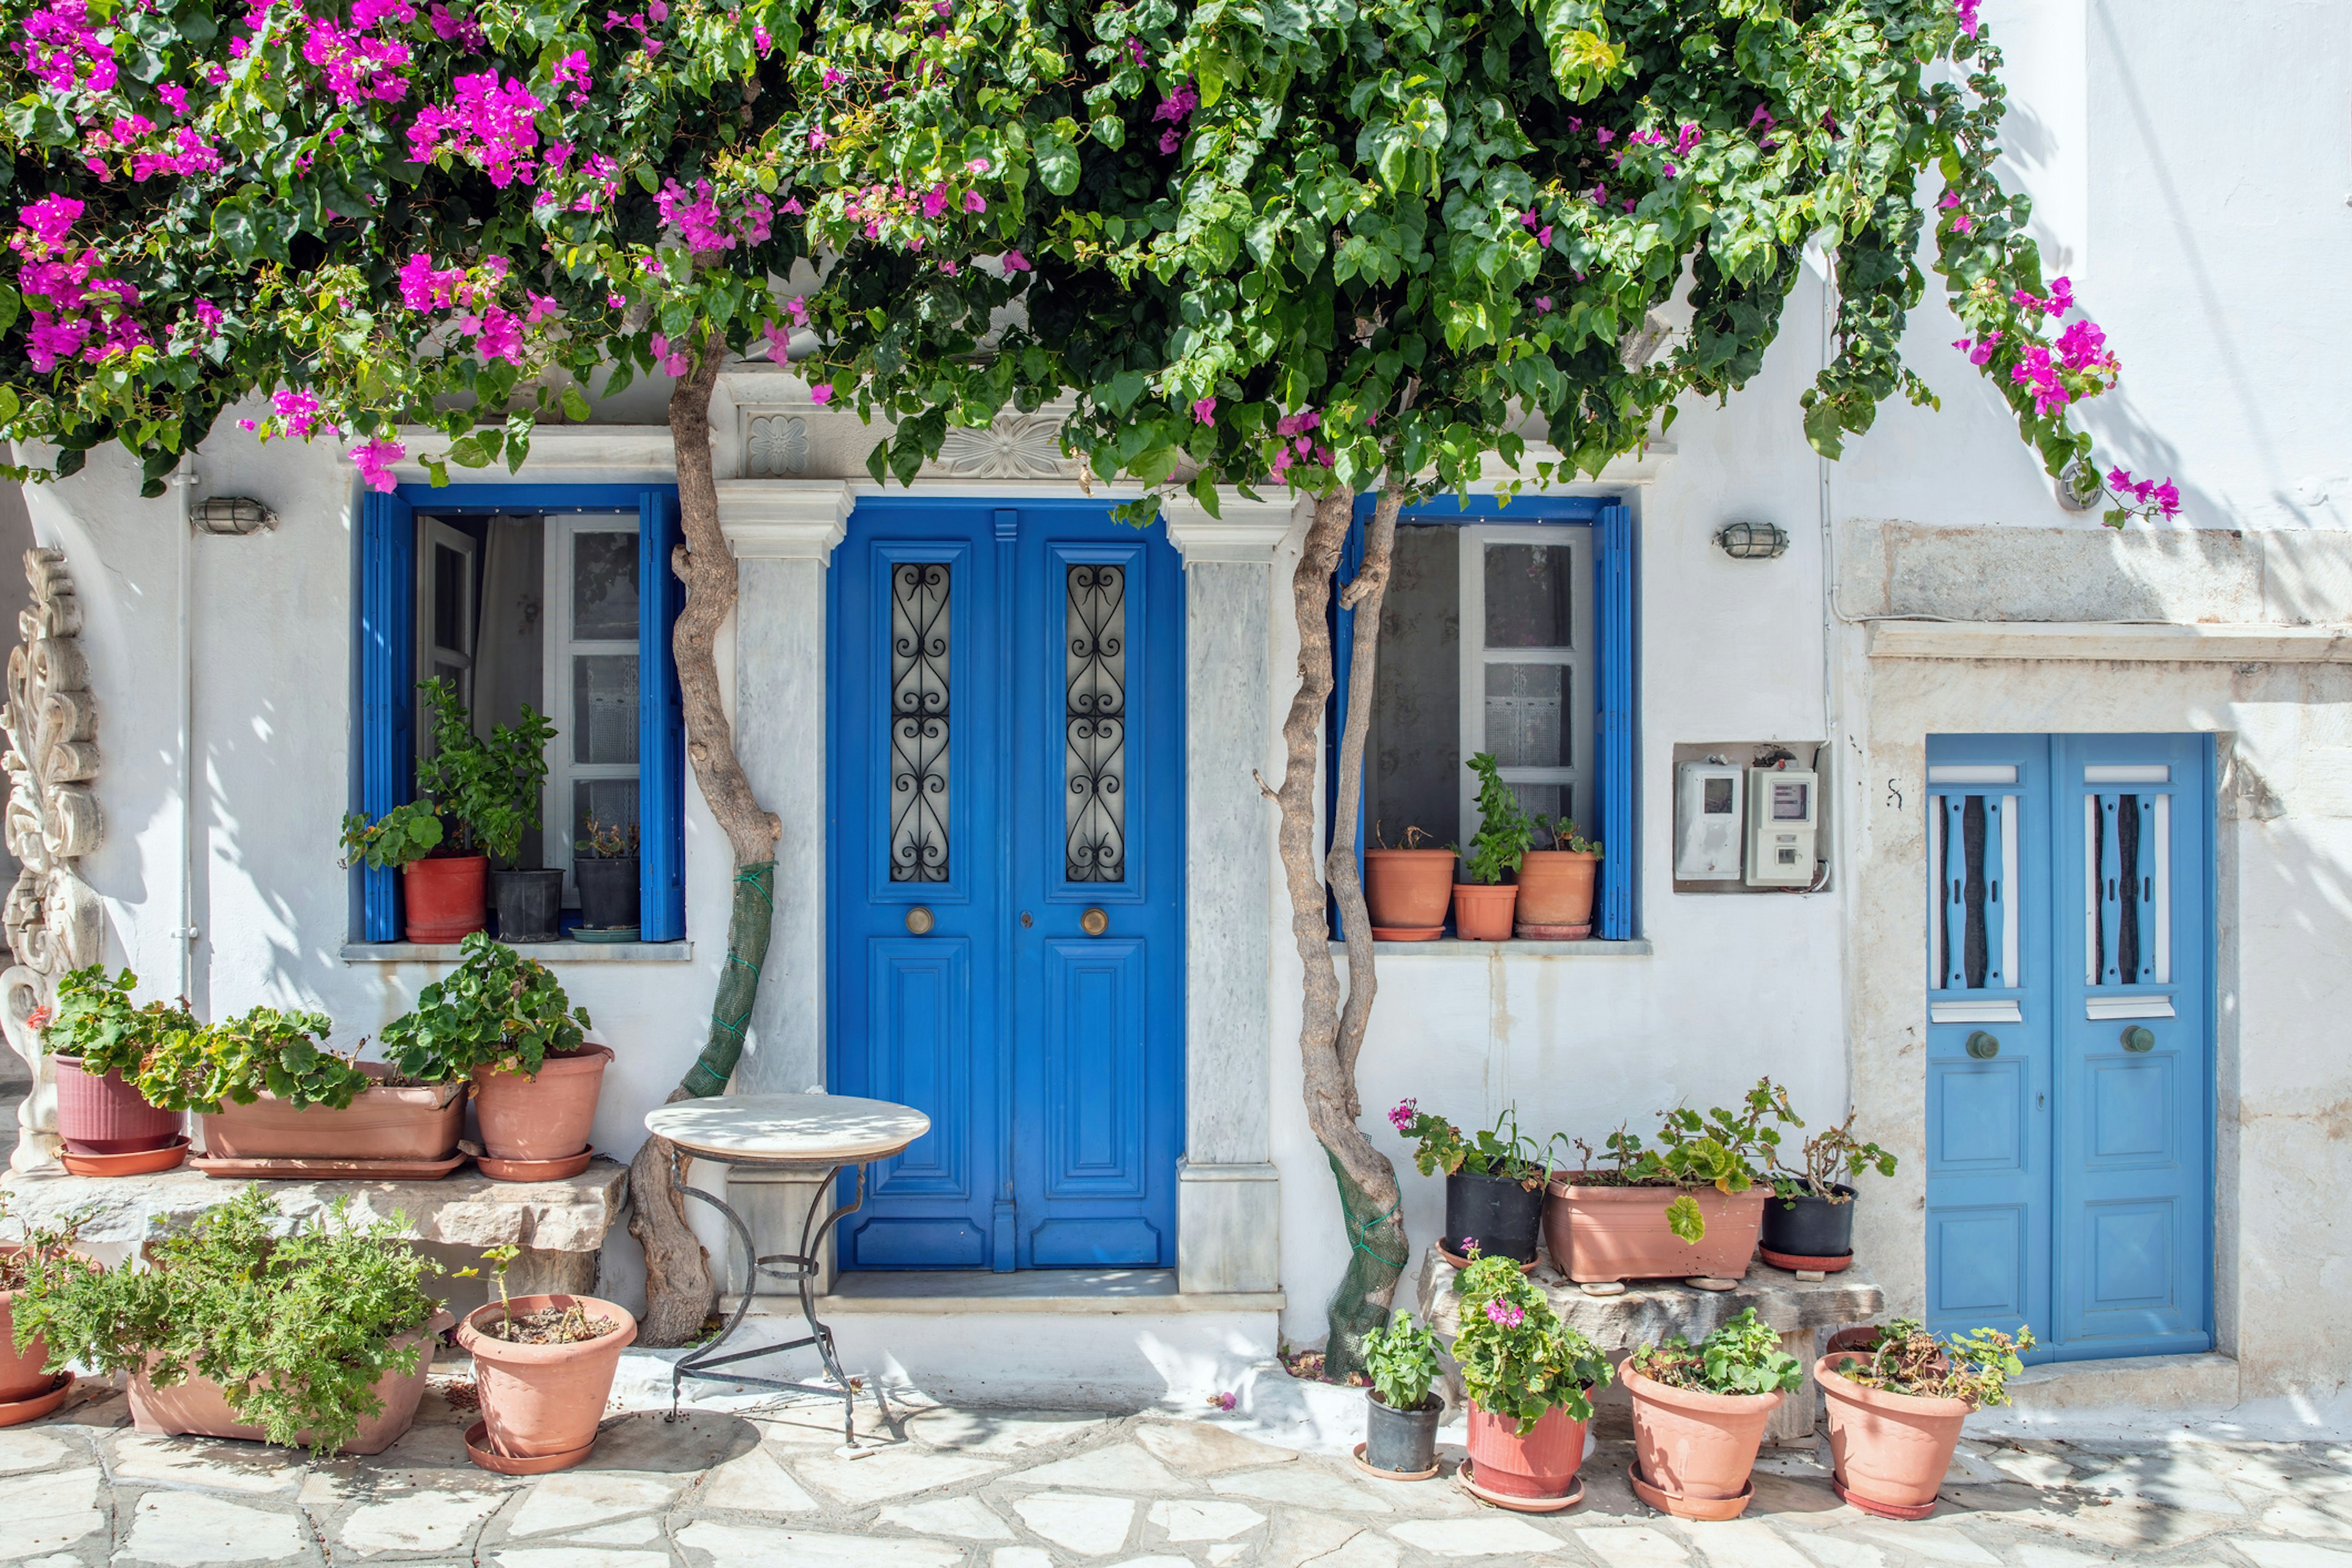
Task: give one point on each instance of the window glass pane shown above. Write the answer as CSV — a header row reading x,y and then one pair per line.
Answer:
x,y
1413,767
612,802
449,605
1527,595
1546,800
604,707
604,587
1093,755
1527,705
919,721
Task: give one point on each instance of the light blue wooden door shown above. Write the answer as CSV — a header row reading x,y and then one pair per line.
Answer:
x,y
2070,1065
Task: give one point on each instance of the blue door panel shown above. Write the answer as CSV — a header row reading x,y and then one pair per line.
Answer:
x,y
920,1054
1093,1044
1977,1263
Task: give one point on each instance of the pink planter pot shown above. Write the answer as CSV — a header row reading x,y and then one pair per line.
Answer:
x,y
420,1123
1543,1464
105,1115
544,1401
1692,1446
21,1376
1888,1450
196,1406
1599,1234
543,1118
447,896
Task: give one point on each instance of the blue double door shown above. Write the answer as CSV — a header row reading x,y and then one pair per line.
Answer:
x,y
1006,859
2070,1066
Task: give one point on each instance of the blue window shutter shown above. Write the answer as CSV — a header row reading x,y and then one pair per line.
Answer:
x,y
383,685
1613,611
661,725
1335,717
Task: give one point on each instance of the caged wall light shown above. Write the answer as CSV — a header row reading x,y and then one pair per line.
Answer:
x,y
1753,540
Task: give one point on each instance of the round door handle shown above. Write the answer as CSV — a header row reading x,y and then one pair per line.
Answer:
x,y
1983,1046
1094,923
919,921
2140,1037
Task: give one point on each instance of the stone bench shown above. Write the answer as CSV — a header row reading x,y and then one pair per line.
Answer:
x,y
560,1226
1648,1310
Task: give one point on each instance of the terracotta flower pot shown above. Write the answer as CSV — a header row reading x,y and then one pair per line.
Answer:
x,y
545,1400
105,1115
1482,913
21,1376
1696,1446
196,1406
447,896
1556,891
1543,1464
422,1122
1406,891
1599,1234
542,1118
1888,1450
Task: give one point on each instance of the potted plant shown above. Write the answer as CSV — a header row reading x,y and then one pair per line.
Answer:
x,y
1483,901
606,871
263,1089
1700,1414
503,1020
1688,1209
1896,1400
1530,1379
1809,1219
1493,1183
1556,883
1406,890
100,1043
28,1389
1400,1414
545,1365
315,1333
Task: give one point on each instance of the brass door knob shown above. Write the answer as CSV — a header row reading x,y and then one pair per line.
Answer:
x,y
2140,1037
1094,923
919,921
1983,1046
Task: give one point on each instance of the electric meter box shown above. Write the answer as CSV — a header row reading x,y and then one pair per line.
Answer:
x,y
1784,814
1708,822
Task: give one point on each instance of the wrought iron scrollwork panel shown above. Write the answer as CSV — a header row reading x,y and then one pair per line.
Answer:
x,y
919,721
1094,727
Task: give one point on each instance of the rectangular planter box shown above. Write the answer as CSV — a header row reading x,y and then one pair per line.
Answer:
x,y
419,1123
1599,1234
196,1406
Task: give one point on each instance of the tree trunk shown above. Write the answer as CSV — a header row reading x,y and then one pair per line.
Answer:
x,y
1368,1184
679,1290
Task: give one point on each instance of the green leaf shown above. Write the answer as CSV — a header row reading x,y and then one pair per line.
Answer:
x,y
1057,163
1683,1217
575,406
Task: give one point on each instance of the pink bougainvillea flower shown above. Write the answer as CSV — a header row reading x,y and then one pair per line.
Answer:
x,y
1204,411
298,410
2061,296
780,341
1951,199
821,395
1763,117
977,167
2167,499
49,221
973,202
1015,262
2082,345
375,460
1543,304
1967,10
832,78
816,141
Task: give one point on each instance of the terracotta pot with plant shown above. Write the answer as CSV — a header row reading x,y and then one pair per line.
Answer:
x,y
1896,1400
607,870
1400,1412
1689,1207
503,1020
100,1043
1493,1183
1808,1218
1700,1414
28,1388
1555,884
1530,1379
545,1366
318,1336
1484,899
1406,890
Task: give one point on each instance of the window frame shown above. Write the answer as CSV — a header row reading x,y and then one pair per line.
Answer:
x,y
383,697
1579,658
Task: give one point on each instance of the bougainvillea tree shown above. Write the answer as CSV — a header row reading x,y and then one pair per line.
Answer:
x,y
1340,246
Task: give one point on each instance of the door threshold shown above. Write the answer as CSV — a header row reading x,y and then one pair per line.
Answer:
x,y
962,1291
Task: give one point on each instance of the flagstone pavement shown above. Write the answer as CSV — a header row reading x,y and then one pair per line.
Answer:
x,y
955,1488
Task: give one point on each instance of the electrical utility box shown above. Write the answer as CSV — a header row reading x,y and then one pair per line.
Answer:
x,y
1783,821
1708,817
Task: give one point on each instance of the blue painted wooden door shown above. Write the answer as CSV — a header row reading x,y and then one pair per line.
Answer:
x,y
1006,850
2069,1063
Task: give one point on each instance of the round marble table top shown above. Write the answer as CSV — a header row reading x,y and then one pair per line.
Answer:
x,y
796,1129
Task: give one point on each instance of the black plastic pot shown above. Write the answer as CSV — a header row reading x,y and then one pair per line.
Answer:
x,y
1809,1226
1499,1213
608,891
528,903
1401,1442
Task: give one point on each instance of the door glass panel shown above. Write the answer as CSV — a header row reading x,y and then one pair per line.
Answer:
x,y
604,587
611,802
604,707
1093,761
919,721
1528,595
1527,705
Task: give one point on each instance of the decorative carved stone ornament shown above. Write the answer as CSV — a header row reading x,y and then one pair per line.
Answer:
x,y
775,446
1015,446
52,916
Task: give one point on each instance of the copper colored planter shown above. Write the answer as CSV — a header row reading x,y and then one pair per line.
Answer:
x,y
447,896
21,1377
196,1406
420,1123
1483,913
544,1401
1889,1450
106,1116
1694,1448
1599,1234
1406,892
543,1116
1556,887
1540,1466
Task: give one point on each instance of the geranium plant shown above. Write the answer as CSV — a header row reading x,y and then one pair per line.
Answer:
x,y
1828,1160
97,1024
1505,832
497,1009
1743,1356
265,1050
1561,833
1402,1361
1904,1358
1728,1150
1501,1150
1517,1359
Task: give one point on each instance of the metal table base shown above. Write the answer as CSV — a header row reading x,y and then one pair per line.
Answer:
x,y
799,1267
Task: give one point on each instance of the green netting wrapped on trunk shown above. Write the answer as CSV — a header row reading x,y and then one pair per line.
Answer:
x,y
1377,1256
738,983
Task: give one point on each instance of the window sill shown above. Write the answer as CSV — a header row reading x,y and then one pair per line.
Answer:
x,y
1455,947
546,951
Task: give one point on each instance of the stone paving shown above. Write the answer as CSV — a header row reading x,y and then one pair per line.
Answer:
x,y
950,1488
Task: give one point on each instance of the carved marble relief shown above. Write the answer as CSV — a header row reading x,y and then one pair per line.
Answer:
x,y
1015,446
53,917
775,446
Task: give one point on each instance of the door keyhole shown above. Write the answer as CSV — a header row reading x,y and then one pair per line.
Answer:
x,y
1028,920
